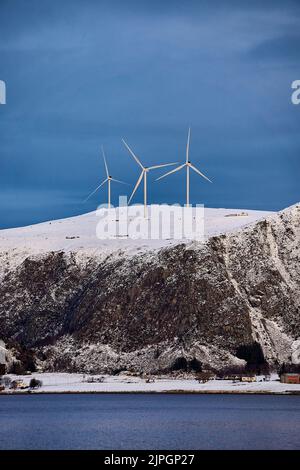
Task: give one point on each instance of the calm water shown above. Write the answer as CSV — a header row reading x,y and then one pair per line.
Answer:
x,y
149,422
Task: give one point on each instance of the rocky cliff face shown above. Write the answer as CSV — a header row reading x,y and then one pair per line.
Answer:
x,y
182,306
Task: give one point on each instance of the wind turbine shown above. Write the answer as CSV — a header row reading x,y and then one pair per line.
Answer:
x,y
108,180
188,165
143,174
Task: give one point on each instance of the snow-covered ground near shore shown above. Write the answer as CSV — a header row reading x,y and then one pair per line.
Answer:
x,y
78,234
64,382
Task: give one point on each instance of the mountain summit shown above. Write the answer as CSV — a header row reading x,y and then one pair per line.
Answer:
x,y
80,304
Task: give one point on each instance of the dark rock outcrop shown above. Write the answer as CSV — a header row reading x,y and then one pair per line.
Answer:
x,y
191,302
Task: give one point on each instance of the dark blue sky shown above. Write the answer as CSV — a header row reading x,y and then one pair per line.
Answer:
x,y
84,73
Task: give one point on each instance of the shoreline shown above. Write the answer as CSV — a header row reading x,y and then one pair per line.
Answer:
x,y
153,392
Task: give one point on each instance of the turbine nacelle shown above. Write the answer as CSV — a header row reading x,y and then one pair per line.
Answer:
x,y
188,164
143,175
107,180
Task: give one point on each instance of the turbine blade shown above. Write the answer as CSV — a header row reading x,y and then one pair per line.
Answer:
x,y
199,172
160,166
93,192
118,181
170,172
188,145
136,186
134,156
106,169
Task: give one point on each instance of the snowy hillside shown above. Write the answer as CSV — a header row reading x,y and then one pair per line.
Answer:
x,y
81,304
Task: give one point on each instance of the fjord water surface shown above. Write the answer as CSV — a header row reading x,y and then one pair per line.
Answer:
x,y
141,421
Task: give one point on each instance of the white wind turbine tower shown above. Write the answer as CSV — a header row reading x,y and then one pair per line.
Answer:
x,y
107,180
143,174
188,165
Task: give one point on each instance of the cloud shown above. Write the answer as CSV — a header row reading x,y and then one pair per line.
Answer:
x,y
80,74
280,48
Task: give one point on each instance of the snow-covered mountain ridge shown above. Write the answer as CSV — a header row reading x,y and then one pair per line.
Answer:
x,y
78,234
85,304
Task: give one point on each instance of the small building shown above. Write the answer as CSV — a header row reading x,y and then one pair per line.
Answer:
x,y
290,378
248,378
